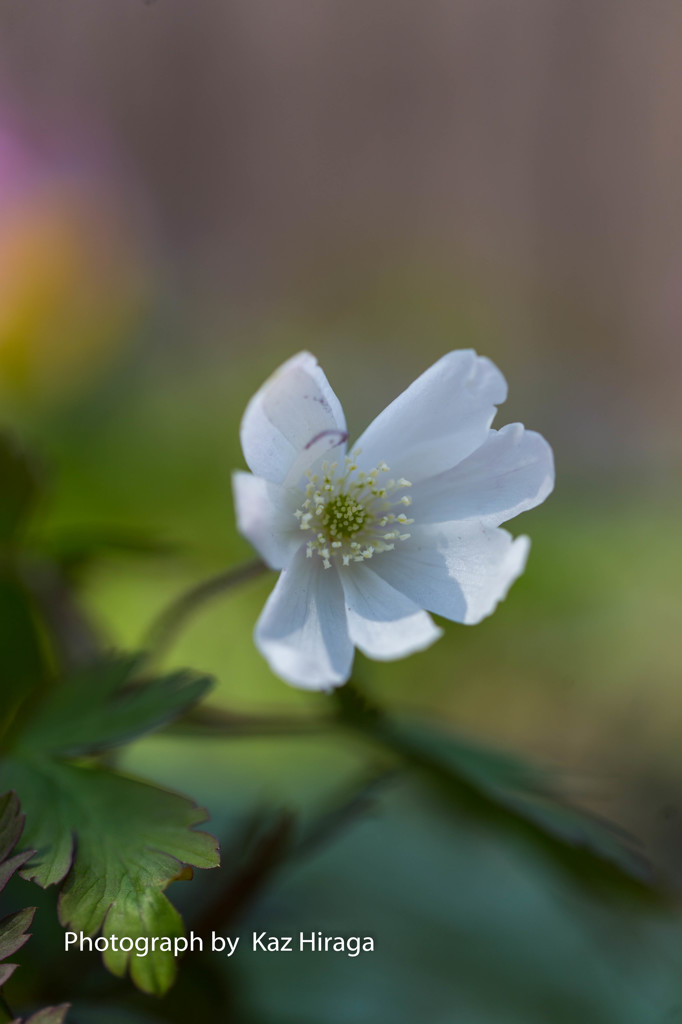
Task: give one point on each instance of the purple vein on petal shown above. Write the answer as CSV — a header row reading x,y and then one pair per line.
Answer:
x,y
342,435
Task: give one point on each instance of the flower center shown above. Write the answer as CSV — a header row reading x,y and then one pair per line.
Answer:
x,y
344,516
354,515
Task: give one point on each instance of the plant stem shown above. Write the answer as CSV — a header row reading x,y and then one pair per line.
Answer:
x,y
267,853
208,721
175,616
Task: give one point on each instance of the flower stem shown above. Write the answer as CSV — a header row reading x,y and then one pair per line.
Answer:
x,y
354,708
175,616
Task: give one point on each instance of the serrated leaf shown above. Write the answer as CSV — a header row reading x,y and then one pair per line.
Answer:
x,y
50,1015
6,972
139,915
103,706
11,824
117,843
19,487
13,933
43,795
8,867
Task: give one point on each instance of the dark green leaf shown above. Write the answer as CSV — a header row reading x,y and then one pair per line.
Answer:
x,y
23,654
6,972
118,843
11,865
19,487
13,932
512,797
510,794
11,824
102,706
51,835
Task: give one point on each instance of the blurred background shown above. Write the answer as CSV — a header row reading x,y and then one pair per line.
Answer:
x,y
191,193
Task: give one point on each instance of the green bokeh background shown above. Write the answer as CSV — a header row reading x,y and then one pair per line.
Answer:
x,y
378,187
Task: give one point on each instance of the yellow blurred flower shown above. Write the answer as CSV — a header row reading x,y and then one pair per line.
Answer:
x,y
73,278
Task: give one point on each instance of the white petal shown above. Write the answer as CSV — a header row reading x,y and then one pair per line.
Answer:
x,y
440,419
511,472
302,631
294,412
459,570
265,515
383,623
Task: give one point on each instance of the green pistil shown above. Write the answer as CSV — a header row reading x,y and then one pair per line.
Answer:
x,y
344,517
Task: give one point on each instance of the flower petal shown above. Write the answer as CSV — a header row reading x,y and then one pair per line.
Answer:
x,y
302,631
382,622
511,472
440,419
265,516
293,412
458,570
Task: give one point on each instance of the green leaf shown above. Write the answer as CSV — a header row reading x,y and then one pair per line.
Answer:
x,y
103,706
11,826
583,843
116,843
512,797
50,1015
23,654
139,915
19,487
13,929
45,801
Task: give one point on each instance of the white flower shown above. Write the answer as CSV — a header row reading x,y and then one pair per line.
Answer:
x,y
409,520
